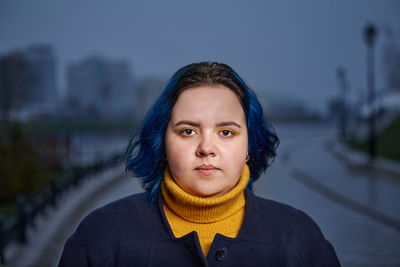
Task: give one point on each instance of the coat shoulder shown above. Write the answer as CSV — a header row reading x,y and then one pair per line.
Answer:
x,y
129,214
124,219
281,212
279,222
276,223
105,229
122,208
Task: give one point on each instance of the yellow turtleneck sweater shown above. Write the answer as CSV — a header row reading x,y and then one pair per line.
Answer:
x,y
207,216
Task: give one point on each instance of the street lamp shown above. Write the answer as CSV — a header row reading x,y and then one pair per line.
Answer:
x,y
343,88
370,33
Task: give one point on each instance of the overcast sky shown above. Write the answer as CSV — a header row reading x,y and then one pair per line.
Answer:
x,y
281,48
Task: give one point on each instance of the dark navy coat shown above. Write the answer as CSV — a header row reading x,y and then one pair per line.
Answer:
x,y
135,232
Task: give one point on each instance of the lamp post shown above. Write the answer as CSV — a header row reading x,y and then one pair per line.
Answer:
x,y
343,88
370,33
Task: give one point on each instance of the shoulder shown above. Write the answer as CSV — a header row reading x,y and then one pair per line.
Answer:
x,y
100,232
131,219
130,213
280,222
125,207
276,223
124,219
278,215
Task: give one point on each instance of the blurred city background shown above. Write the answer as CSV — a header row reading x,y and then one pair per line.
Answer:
x,y
77,77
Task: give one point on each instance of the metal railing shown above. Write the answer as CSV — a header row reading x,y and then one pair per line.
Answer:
x,y
28,209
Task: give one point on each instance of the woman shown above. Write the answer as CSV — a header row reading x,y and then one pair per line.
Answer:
x,y
201,147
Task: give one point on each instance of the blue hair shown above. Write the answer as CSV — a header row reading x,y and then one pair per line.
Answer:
x,y
145,156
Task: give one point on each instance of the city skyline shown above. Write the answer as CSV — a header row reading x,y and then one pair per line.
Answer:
x,y
281,49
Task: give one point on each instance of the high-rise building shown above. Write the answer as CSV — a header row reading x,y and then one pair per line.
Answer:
x,y
97,86
28,83
42,89
148,90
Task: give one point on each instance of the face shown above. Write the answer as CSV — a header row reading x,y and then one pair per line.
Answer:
x,y
206,141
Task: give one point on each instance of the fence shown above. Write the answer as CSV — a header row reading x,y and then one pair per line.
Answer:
x,y
15,229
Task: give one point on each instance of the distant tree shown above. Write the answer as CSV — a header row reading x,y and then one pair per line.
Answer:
x,y
21,164
15,75
391,60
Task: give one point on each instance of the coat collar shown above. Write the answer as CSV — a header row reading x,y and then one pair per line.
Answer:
x,y
252,229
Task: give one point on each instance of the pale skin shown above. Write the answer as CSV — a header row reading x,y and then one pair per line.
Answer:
x,y
207,141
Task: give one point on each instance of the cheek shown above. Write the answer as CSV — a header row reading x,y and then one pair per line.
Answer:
x,y
236,152
177,159
236,155
177,156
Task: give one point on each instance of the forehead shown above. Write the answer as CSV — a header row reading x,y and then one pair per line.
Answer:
x,y
208,103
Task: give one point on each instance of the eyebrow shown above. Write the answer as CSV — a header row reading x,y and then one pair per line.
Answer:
x,y
196,124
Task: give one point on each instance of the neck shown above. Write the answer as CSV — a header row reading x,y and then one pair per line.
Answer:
x,y
200,209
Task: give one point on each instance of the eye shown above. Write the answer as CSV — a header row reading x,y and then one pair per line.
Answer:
x,y
226,133
187,132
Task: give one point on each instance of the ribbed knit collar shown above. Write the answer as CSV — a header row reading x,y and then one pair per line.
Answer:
x,y
203,209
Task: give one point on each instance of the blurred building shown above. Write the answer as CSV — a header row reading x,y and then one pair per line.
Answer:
x,y
96,86
148,90
280,108
42,63
28,83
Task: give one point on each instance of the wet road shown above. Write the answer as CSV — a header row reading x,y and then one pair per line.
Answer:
x,y
356,209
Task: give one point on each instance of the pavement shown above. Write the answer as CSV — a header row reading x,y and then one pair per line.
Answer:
x,y
355,205
353,200
358,159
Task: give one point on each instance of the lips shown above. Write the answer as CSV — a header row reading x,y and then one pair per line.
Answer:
x,y
206,169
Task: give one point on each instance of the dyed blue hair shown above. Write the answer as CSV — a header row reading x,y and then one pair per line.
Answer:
x,y
145,157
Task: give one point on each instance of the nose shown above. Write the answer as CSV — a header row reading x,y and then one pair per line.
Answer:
x,y
206,147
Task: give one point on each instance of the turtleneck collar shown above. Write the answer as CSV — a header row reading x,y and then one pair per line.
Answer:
x,y
203,209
